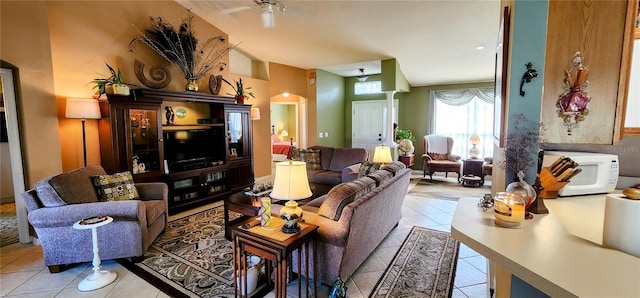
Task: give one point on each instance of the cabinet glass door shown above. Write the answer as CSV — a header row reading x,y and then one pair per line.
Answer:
x,y
236,129
144,141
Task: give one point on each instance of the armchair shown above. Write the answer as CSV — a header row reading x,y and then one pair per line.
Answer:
x,y
437,156
487,167
57,202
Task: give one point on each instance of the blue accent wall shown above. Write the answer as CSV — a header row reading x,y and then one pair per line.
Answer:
x,y
528,44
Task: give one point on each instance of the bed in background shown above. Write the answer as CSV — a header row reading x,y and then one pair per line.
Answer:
x,y
281,150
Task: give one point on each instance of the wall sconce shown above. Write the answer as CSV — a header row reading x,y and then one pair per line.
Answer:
x,y
255,114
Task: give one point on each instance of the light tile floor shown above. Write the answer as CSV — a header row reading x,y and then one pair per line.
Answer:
x,y
23,274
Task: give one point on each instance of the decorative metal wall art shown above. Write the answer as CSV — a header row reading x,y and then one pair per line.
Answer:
x,y
572,104
527,76
160,75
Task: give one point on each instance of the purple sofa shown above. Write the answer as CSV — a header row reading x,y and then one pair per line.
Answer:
x,y
354,218
337,165
57,202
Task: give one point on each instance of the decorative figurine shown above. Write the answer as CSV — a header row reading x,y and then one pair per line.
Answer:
x,y
170,115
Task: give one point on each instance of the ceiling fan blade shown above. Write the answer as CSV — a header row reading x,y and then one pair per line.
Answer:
x,y
234,9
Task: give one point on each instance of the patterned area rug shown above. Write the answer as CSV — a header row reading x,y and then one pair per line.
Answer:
x,y
191,259
424,266
446,190
8,224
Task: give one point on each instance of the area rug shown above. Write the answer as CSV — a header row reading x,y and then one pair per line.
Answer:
x,y
191,258
8,224
424,266
446,190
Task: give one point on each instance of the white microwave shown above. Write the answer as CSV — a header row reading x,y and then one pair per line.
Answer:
x,y
599,172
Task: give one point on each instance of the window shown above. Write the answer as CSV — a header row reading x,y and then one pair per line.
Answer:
x,y
371,87
461,113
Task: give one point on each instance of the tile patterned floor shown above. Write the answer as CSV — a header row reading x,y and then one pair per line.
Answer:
x,y
23,274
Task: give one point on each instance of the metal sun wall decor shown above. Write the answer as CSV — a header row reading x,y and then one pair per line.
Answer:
x,y
572,104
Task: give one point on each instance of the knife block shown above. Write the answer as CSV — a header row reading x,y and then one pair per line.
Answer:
x,y
550,185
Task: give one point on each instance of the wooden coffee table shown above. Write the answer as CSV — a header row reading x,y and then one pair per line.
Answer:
x,y
248,206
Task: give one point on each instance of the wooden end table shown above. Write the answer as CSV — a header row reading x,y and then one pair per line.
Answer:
x,y
241,203
408,160
472,169
270,245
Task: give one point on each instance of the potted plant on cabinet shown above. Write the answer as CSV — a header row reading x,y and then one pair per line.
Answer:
x,y
114,81
240,91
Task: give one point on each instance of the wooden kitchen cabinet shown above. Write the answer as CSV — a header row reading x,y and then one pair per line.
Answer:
x,y
603,32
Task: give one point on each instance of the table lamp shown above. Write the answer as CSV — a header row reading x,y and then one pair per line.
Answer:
x,y
382,155
474,152
284,134
80,108
291,184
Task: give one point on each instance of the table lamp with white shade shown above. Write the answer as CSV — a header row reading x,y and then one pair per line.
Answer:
x,y
382,155
284,134
474,152
291,184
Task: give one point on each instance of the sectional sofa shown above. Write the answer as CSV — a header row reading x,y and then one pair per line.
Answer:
x,y
354,218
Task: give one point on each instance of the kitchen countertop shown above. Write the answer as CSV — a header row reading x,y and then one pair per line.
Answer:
x,y
559,253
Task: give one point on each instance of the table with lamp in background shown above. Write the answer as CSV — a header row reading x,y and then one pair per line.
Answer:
x,y
472,166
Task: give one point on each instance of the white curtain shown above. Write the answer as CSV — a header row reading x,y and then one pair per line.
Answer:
x,y
461,113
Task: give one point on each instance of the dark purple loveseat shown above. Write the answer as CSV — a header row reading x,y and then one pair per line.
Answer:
x,y
337,165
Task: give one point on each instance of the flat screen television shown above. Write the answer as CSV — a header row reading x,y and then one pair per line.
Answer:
x,y
192,148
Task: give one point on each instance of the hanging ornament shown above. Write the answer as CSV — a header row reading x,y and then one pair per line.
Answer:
x,y
572,103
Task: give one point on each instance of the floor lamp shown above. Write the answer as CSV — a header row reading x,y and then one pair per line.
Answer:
x,y
80,108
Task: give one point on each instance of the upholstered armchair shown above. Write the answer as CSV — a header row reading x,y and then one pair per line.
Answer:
x,y
437,156
487,167
57,202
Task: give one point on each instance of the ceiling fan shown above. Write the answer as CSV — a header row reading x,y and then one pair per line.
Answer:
x,y
267,8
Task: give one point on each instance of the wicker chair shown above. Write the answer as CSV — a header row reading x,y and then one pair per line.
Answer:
x,y
446,163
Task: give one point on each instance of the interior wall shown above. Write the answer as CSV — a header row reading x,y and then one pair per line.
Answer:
x,y
331,109
82,42
24,29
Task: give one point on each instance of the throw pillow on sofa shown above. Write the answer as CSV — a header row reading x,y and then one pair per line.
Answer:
x,y
367,168
309,156
116,187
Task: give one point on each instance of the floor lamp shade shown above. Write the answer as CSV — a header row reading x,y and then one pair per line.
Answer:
x,y
291,184
255,114
80,108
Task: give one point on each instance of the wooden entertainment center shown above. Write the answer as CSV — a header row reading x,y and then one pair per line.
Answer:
x,y
199,144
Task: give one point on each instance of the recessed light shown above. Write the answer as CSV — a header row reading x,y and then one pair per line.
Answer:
x,y
480,48
285,94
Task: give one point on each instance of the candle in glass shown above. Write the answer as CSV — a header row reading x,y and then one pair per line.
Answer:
x,y
508,208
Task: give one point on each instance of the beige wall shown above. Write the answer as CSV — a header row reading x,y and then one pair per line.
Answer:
x,y
60,46
296,81
25,44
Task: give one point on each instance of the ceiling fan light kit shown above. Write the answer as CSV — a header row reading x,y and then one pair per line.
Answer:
x,y
268,20
362,77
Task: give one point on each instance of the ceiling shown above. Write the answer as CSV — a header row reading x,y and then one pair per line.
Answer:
x,y
433,41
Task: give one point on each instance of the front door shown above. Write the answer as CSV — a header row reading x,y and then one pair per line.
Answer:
x,y
368,120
